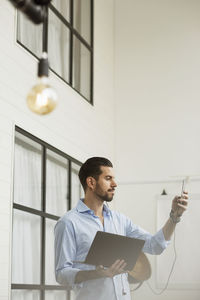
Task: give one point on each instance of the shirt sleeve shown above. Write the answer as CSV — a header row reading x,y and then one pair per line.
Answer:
x,y
154,244
65,252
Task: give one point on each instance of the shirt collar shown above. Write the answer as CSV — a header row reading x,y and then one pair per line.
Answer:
x,y
82,207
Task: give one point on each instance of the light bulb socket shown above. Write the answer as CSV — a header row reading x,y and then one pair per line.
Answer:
x,y
35,12
43,67
42,2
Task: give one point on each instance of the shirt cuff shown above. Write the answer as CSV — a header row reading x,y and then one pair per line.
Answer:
x,y
160,239
67,276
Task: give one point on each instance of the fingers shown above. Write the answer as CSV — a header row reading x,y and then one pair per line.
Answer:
x,y
180,203
184,195
182,200
117,267
99,268
182,206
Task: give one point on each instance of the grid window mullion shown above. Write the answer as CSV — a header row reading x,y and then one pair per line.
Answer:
x,y
71,58
41,216
70,185
43,222
71,40
92,56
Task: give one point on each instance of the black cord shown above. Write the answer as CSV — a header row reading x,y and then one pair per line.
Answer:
x,y
45,30
172,268
170,273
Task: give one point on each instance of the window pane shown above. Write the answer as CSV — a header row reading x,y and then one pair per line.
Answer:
x,y
56,295
25,295
29,34
27,172
63,7
26,248
56,184
82,18
58,46
77,191
49,256
81,68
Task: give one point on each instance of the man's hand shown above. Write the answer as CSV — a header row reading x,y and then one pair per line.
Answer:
x,y
179,204
115,269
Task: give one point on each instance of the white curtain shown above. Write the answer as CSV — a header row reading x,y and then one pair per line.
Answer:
x,y
27,173
26,226
58,46
77,191
56,204
82,17
77,47
81,70
62,7
29,34
55,295
56,184
26,248
58,40
26,242
25,295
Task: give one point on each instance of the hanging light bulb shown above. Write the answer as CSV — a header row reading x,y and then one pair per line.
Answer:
x,y
42,98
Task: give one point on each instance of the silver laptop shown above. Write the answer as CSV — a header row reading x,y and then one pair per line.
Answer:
x,y
106,248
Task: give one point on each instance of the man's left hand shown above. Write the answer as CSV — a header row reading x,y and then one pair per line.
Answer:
x,y
179,204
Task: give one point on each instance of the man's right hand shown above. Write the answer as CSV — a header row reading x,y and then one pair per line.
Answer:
x,y
115,269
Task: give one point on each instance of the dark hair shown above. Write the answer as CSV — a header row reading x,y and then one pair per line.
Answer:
x,y
92,168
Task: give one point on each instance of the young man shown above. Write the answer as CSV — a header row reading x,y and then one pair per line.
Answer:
x,y
75,231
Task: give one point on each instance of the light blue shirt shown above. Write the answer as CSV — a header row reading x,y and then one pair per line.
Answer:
x,y
74,233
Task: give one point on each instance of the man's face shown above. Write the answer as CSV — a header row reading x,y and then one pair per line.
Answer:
x,y
105,185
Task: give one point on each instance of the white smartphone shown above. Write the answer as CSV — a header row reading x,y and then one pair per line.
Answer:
x,y
184,184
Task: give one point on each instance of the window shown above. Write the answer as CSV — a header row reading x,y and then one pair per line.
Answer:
x,y
70,42
46,185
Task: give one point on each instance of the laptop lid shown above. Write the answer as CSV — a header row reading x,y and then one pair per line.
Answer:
x,y
106,248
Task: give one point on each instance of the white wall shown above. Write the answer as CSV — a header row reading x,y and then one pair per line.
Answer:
x,y
157,62
75,127
157,73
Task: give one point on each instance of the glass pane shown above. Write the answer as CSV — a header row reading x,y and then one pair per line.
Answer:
x,y
25,295
63,7
58,46
27,172
49,256
77,191
26,248
29,34
81,68
56,184
82,18
56,295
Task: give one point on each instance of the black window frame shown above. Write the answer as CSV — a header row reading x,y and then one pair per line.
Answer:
x,y
42,287
73,32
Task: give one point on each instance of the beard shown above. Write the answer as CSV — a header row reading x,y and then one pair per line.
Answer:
x,y
104,196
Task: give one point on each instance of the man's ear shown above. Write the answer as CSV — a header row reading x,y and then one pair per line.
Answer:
x,y
91,182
